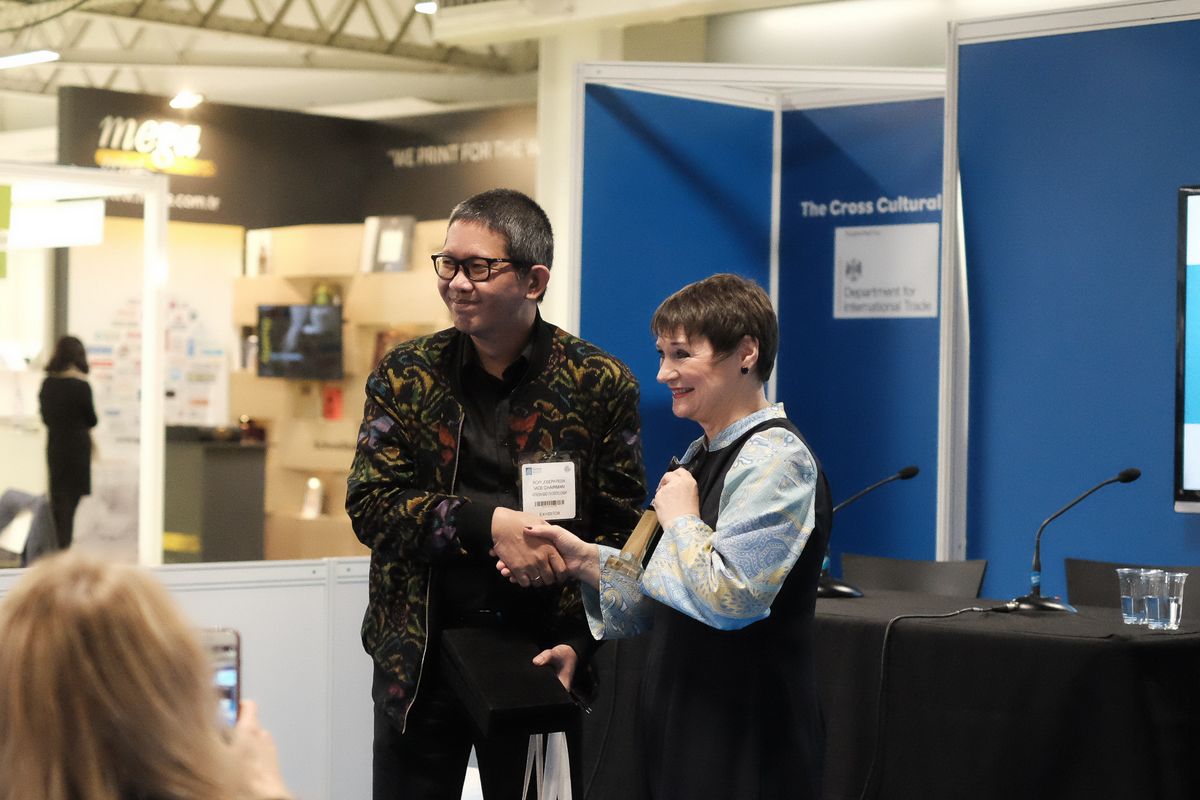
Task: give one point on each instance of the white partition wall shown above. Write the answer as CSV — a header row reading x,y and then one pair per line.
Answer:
x,y
351,712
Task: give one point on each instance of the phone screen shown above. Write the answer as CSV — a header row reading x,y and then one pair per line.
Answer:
x,y
224,650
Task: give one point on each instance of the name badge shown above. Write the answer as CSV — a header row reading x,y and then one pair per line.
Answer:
x,y
548,489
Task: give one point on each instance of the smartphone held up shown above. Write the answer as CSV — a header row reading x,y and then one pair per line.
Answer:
x,y
224,648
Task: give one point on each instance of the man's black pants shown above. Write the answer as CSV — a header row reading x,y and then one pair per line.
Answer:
x,y
429,760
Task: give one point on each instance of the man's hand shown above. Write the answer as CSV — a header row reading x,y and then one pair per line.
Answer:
x,y
529,560
582,559
563,659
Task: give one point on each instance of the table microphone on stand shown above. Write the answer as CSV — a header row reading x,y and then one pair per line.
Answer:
x,y
827,585
1034,600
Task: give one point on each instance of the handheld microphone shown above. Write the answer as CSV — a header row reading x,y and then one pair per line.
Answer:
x,y
1034,600
828,586
644,538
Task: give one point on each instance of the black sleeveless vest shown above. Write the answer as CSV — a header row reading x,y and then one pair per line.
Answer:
x,y
734,714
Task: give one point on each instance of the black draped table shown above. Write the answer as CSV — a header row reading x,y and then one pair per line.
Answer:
x,y
1006,706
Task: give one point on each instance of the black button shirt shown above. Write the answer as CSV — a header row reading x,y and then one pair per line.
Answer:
x,y
487,475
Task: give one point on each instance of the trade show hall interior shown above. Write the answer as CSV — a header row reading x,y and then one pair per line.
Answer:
x,y
985,296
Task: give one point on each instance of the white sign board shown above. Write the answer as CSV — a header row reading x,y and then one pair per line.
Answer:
x,y
885,271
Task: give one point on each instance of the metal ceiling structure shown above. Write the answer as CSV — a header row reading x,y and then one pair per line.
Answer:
x,y
298,54
364,58
373,59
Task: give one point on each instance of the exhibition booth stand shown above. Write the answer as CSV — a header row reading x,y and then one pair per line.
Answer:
x,y
1047,361
839,191
302,224
270,213
1048,364
825,187
1073,132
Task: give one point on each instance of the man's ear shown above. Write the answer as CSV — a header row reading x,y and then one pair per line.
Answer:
x,y
538,278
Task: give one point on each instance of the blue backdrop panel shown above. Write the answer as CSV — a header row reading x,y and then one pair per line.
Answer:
x,y
1072,148
673,191
864,391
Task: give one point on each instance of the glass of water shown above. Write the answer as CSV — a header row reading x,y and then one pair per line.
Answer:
x,y
1154,587
1170,597
1133,609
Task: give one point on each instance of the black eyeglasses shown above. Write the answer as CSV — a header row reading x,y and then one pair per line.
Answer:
x,y
477,268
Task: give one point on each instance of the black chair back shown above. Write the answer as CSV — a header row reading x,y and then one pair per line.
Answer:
x,y
952,578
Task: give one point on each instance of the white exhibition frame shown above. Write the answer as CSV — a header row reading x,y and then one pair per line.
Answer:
x,y
61,182
779,89
954,384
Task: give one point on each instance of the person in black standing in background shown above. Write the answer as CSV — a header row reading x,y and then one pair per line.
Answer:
x,y
69,415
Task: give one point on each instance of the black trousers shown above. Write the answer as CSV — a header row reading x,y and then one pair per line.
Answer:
x,y
429,760
62,507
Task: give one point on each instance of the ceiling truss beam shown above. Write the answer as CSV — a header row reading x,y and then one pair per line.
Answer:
x,y
274,29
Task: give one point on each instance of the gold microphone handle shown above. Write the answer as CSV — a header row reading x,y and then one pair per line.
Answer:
x,y
633,554
643,532
634,551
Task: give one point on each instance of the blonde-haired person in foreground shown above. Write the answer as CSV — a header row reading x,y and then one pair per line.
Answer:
x,y
106,694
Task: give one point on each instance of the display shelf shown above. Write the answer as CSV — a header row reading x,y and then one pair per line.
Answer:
x,y
319,445
264,290
307,436
383,298
260,398
285,496
308,251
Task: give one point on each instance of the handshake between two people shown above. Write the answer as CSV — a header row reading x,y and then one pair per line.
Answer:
x,y
533,552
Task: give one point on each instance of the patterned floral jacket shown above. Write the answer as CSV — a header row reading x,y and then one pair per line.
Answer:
x,y
577,399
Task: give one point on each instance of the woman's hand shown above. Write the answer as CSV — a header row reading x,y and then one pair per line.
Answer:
x,y
530,561
676,496
582,558
257,760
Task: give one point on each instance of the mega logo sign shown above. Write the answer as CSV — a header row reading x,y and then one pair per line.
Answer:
x,y
153,144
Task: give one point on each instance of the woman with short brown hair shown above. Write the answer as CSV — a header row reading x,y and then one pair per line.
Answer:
x,y
728,703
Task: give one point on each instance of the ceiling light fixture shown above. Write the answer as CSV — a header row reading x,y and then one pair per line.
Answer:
x,y
26,59
186,99
425,7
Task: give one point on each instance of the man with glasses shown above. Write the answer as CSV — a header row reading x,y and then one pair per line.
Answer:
x,y
468,436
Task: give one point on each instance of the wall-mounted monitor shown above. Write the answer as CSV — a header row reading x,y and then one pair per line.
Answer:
x,y
301,342
1187,354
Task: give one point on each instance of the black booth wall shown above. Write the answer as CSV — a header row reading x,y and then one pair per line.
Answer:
x,y
272,168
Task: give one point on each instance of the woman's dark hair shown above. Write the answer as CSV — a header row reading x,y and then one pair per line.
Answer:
x,y
68,353
723,308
